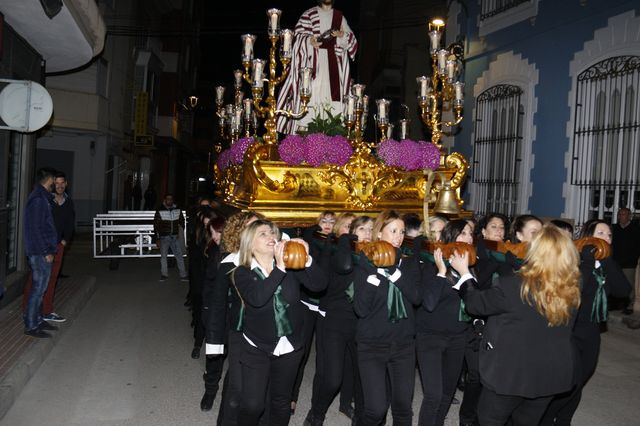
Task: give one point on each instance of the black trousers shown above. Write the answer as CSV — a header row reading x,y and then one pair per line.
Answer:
x,y
196,319
472,387
308,327
440,358
232,387
562,407
376,362
262,372
495,410
335,349
212,374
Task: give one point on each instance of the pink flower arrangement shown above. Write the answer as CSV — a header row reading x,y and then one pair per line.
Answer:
x,y
292,150
235,153
409,155
315,149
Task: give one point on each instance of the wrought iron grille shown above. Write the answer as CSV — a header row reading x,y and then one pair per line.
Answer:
x,y
491,8
606,140
497,149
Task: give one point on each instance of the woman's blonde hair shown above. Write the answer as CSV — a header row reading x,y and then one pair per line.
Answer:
x,y
384,218
551,277
232,229
246,240
341,220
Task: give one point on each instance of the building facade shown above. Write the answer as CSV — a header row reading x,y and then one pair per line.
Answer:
x,y
33,42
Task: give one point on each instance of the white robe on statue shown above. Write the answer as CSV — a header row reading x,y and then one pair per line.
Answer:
x,y
313,23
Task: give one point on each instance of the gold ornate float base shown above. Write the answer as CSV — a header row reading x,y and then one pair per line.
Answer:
x,y
295,195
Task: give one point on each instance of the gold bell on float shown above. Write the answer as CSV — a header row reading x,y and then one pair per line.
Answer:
x,y
446,202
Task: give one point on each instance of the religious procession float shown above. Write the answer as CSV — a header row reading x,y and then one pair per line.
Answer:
x,y
326,163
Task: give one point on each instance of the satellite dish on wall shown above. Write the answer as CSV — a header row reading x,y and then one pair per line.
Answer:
x,y
25,106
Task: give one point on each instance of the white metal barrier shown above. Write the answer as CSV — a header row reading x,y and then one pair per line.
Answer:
x,y
123,233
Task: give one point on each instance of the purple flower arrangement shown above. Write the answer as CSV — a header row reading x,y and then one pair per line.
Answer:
x,y
315,149
235,153
409,155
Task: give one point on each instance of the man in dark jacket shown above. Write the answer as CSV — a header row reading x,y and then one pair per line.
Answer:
x,y
167,224
626,250
64,218
40,241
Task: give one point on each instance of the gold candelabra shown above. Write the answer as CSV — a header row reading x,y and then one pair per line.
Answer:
x,y
442,92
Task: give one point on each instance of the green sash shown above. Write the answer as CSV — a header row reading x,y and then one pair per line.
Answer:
x,y
349,292
280,305
599,307
395,305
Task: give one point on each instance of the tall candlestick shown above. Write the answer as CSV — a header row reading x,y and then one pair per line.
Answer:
x,y
274,21
238,118
306,81
247,42
239,97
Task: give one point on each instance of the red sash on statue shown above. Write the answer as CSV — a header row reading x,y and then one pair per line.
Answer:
x,y
334,73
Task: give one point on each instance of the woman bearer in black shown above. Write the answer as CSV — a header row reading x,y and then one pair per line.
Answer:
x,y
384,301
272,322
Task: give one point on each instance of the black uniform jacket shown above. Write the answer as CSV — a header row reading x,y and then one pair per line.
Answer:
x,y
370,302
519,354
257,295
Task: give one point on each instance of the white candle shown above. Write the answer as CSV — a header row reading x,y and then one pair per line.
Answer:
x,y
404,128
258,66
248,105
306,80
287,38
423,83
365,104
451,69
434,37
238,116
459,89
390,131
351,104
442,61
219,95
247,42
358,90
237,77
274,20
383,106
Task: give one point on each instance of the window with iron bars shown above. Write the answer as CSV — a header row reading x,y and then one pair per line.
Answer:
x,y
497,149
491,8
605,166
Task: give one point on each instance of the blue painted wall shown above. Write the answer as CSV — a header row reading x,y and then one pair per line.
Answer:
x,y
549,42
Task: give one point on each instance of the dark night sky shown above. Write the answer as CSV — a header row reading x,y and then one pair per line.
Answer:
x,y
224,22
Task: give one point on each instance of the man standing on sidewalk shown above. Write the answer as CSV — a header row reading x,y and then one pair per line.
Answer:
x,y
40,241
167,223
64,218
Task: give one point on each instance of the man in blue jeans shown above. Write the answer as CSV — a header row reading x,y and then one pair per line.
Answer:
x,y
167,223
41,240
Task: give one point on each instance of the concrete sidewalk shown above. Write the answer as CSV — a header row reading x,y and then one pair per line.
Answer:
x,y
20,355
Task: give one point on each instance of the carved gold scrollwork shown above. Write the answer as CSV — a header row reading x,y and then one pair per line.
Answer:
x,y
260,152
364,178
459,163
